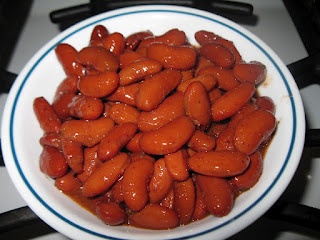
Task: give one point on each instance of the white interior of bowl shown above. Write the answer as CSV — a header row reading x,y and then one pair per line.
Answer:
x,y
43,73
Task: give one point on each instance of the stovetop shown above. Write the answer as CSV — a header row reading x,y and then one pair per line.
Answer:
x,y
273,24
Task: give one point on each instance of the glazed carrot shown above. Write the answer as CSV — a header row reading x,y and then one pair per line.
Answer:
x,y
171,107
197,104
98,58
138,70
185,198
217,194
154,216
52,162
222,163
232,101
254,129
153,90
115,140
169,138
106,175
87,132
99,85
46,116
135,183
160,182
181,57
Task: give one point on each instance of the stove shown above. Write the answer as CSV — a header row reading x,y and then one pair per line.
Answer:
x,y
289,28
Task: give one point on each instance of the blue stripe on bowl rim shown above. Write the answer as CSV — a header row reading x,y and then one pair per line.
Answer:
x,y
72,223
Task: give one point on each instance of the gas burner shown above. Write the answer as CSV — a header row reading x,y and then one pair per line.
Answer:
x,y
237,11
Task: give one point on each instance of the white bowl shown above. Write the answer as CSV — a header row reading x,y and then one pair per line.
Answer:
x,y
43,73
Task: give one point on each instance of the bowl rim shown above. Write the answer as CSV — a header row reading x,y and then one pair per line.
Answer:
x,y
296,144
